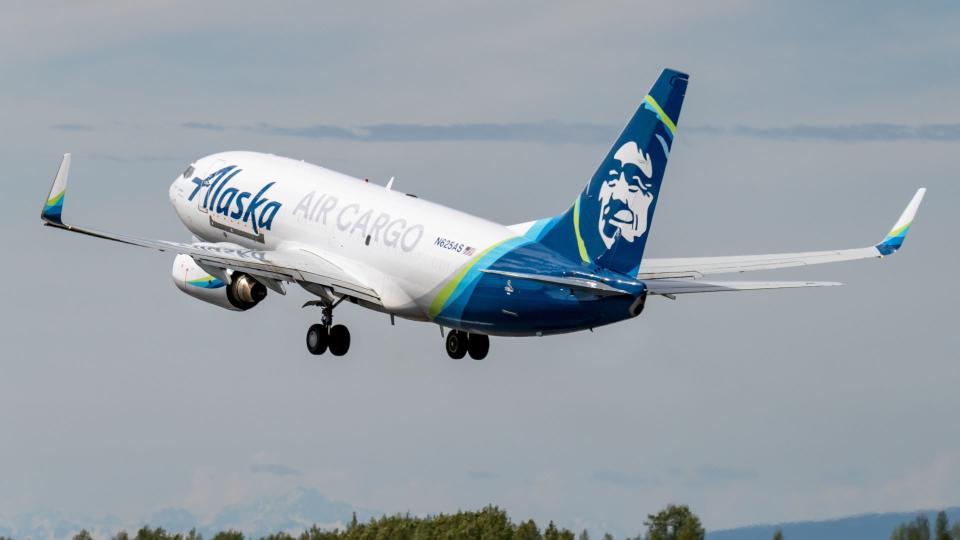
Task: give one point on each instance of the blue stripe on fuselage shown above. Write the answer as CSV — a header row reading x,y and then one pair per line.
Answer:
x,y
496,304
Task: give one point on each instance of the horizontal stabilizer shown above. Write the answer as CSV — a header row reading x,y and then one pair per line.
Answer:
x,y
594,286
685,286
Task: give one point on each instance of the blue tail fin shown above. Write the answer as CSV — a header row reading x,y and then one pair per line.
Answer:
x,y
609,222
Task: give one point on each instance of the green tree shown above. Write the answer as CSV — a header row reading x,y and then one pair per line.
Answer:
x,y
146,533
278,536
553,533
83,535
674,523
228,535
315,533
607,536
527,531
122,535
584,535
955,532
778,535
918,529
942,527
921,528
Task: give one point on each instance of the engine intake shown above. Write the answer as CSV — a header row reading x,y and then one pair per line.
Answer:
x,y
242,293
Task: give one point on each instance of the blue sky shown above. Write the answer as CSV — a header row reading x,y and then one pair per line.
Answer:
x,y
805,127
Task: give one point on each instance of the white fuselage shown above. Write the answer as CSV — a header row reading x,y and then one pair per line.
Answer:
x,y
401,246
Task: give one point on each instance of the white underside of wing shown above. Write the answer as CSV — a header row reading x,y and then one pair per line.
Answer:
x,y
288,264
701,266
686,286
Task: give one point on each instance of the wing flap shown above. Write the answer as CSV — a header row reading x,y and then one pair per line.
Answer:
x,y
670,287
701,266
581,284
280,265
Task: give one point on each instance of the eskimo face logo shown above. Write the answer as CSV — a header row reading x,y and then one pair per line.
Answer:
x,y
626,195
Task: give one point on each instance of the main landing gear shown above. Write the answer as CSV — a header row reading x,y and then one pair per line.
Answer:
x,y
327,336
459,343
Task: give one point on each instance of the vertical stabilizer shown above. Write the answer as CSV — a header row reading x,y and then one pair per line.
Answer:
x,y
610,220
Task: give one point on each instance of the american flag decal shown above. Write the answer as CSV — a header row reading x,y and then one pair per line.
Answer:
x,y
469,251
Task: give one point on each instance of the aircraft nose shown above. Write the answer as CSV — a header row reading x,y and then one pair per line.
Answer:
x,y
180,183
176,189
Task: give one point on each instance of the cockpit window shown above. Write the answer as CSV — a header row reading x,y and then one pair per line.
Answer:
x,y
189,172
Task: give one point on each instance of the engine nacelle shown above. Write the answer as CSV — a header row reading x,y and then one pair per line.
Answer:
x,y
242,293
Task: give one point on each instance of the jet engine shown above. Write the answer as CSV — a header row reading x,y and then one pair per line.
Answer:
x,y
240,294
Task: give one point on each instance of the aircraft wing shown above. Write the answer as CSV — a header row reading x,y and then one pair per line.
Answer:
x,y
654,269
270,266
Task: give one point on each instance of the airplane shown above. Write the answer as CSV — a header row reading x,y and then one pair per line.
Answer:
x,y
261,221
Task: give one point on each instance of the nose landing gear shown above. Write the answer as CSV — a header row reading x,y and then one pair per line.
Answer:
x,y
327,336
459,344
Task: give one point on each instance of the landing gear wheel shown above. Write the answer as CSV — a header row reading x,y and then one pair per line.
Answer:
x,y
456,344
317,339
478,346
339,340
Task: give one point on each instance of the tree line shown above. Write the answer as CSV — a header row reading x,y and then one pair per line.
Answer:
x,y
919,529
490,523
675,522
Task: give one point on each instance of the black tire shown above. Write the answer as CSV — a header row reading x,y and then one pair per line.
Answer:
x,y
456,344
478,346
317,339
339,340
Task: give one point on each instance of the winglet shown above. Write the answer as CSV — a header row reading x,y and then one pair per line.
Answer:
x,y
53,207
894,239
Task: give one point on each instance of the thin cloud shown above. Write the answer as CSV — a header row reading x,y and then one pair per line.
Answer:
x,y
482,475
319,131
624,479
143,158
714,473
274,469
204,126
549,132
586,133
856,132
73,127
